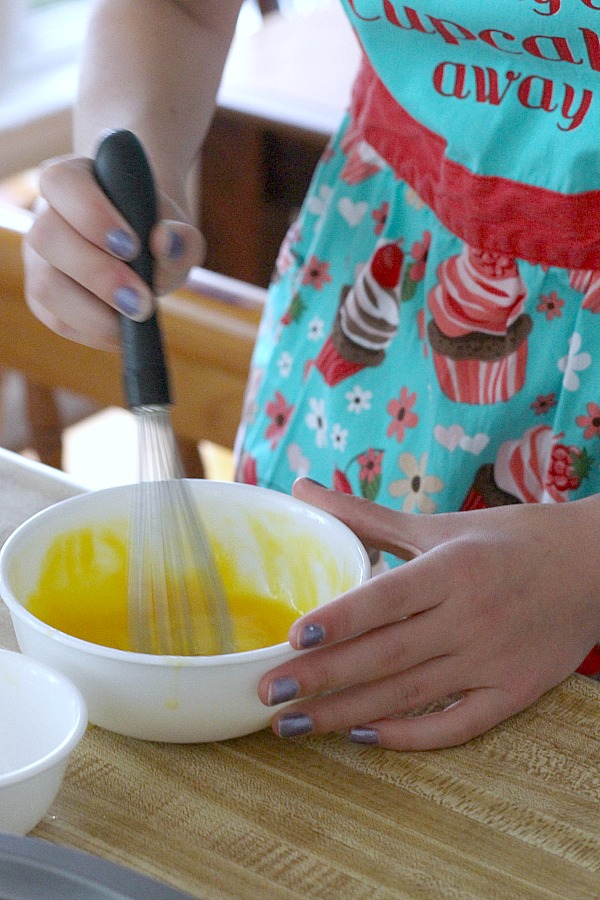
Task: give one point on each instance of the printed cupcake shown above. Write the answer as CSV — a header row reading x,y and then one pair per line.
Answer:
x,y
537,468
479,331
367,318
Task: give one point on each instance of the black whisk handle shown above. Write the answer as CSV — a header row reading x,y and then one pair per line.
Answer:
x,y
123,172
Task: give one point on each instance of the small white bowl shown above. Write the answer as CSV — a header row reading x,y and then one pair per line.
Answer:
x,y
42,719
183,698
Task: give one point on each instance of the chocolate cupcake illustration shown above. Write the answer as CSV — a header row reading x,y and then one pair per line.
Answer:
x,y
367,318
478,331
536,468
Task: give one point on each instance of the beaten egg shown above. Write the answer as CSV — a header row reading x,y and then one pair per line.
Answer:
x,y
82,590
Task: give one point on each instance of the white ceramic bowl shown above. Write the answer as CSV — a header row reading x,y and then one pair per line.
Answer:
x,y
42,719
182,698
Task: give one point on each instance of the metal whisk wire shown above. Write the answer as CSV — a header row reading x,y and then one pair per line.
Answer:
x,y
174,587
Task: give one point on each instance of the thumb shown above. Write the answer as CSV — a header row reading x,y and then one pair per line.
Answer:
x,y
402,534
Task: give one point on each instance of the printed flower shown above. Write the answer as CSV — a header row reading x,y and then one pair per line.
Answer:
x,y
380,216
297,461
358,400
402,415
339,437
416,487
543,403
573,362
419,252
413,199
317,421
316,273
284,364
247,471
369,474
316,329
280,413
551,305
591,422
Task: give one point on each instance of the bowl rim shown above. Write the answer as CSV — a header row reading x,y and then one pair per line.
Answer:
x,y
128,656
73,736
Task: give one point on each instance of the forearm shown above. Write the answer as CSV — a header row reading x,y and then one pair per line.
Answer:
x,y
154,66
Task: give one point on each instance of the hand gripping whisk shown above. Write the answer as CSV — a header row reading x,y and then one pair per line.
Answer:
x,y
177,602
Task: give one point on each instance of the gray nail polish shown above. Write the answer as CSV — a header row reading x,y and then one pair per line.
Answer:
x,y
364,736
120,243
176,246
283,689
294,725
128,301
311,635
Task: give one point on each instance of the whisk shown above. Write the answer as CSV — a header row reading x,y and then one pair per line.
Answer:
x,y
176,599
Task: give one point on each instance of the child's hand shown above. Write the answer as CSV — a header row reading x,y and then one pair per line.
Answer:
x,y
498,606
76,254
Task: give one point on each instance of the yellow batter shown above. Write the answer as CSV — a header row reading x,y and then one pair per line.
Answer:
x,y
82,591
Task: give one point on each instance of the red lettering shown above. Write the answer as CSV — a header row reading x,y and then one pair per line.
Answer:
x,y
456,87
440,26
592,45
487,85
414,22
557,51
487,35
352,5
579,115
553,7
543,87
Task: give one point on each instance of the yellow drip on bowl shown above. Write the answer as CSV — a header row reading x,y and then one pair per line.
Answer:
x,y
82,591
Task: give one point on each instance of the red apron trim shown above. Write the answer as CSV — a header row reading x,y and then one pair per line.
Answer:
x,y
487,212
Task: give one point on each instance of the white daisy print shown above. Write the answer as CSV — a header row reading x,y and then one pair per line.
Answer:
x,y
573,362
358,400
284,364
417,486
317,421
339,437
316,329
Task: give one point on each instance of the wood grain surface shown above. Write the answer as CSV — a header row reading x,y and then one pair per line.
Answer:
x,y
515,813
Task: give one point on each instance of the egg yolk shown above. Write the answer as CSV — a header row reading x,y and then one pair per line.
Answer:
x,y
82,590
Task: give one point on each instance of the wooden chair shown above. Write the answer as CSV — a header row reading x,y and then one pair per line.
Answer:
x,y
209,328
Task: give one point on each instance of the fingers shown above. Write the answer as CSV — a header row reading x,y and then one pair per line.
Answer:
x,y
378,700
473,714
77,253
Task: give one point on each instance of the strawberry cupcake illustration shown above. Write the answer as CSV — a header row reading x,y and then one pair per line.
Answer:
x,y
479,331
537,468
367,318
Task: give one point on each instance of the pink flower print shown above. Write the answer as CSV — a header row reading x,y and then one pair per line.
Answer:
x,y
402,415
316,273
370,464
587,282
341,482
591,422
551,305
543,403
280,413
419,252
247,471
380,216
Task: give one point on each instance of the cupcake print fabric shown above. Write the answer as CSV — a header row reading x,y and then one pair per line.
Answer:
x,y
399,360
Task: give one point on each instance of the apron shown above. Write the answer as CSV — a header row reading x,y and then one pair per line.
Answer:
x,y
431,332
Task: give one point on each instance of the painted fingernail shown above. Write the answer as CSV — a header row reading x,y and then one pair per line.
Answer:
x,y
281,690
364,736
176,246
311,635
128,301
121,243
293,725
